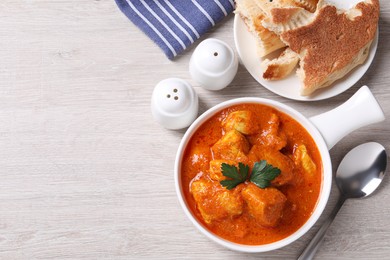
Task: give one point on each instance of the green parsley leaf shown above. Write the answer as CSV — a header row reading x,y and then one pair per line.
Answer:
x,y
236,176
263,174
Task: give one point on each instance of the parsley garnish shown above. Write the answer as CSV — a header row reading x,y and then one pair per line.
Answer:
x,y
262,174
237,176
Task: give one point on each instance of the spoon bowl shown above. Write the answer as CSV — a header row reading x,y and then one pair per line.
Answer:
x,y
362,170
359,174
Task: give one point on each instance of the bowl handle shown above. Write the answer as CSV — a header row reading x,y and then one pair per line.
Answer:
x,y
360,110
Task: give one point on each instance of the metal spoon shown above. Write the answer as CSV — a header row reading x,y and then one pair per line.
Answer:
x,y
359,174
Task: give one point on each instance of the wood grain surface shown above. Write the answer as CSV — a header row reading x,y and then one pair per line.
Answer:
x,y
85,171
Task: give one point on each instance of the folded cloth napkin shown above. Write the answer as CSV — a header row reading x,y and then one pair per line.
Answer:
x,y
175,24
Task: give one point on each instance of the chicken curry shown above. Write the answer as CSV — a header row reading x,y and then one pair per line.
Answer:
x,y
240,139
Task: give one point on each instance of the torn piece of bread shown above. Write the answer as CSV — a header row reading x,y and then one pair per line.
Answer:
x,y
282,20
266,41
267,6
310,85
253,12
330,42
280,67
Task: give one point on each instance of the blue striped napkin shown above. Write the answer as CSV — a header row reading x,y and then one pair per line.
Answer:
x,y
175,24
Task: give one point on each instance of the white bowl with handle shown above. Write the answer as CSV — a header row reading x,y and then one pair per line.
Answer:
x,y
326,130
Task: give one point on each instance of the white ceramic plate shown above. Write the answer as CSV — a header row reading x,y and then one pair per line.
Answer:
x,y
289,87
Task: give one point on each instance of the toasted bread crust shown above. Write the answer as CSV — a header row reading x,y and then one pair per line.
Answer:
x,y
280,67
284,15
266,40
358,59
266,6
331,41
309,5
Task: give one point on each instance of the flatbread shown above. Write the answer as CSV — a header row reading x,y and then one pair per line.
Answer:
x,y
330,42
266,40
280,67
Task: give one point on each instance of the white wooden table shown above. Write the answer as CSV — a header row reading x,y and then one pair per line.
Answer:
x,y
85,171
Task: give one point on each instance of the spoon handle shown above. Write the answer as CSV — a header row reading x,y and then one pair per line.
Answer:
x,y
315,243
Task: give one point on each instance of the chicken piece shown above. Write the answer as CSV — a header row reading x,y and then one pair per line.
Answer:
x,y
243,121
199,157
216,171
231,201
302,158
265,205
271,135
276,159
240,227
232,146
215,202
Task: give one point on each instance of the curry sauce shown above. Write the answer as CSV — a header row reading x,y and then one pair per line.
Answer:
x,y
248,214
